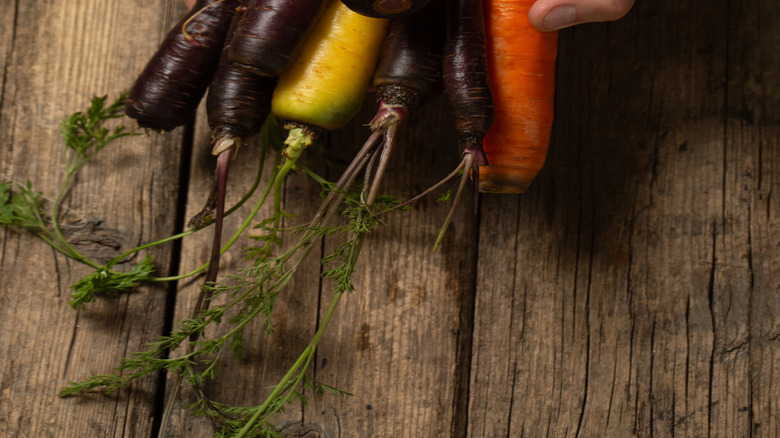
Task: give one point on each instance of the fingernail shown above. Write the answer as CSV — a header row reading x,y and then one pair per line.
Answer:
x,y
559,17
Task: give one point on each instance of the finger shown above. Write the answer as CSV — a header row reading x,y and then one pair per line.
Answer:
x,y
547,15
188,3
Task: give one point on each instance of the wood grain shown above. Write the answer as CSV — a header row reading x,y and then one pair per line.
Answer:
x,y
57,56
395,343
628,304
631,292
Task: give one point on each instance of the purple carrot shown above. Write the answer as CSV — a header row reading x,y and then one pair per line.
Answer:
x,y
237,105
407,77
465,75
167,92
409,71
464,65
271,34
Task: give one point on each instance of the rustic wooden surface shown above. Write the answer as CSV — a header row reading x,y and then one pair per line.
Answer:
x,y
632,291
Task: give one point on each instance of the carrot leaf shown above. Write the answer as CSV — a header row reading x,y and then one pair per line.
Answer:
x,y
85,132
84,135
106,281
24,208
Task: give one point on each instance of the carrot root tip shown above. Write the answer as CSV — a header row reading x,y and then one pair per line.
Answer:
x,y
478,154
466,165
388,114
225,143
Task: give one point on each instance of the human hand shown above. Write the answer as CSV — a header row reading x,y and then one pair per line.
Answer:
x,y
547,15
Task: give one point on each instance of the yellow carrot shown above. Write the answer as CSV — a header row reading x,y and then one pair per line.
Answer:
x,y
325,87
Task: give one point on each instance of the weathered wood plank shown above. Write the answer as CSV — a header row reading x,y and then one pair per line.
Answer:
x,y
747,305
629,303
632,291
395,341
410,301
57,56
246,382
6,42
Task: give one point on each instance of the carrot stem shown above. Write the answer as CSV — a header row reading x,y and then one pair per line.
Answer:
x,y
223,166
239,232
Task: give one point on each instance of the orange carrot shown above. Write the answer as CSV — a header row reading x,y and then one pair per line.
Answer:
x,y
521,68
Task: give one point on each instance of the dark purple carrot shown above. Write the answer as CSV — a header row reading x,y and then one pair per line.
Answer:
x,y
409,71
271,33
407,77
167,92
464,66
237,104
385,8
465,75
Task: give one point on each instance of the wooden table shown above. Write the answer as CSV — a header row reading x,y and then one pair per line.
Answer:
x,y
631,291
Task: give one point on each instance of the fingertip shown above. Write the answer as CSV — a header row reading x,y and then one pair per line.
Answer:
x,y
538,11
559,17
550,15
618,9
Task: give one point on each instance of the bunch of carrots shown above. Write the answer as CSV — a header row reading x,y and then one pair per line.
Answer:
x,y
309,64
